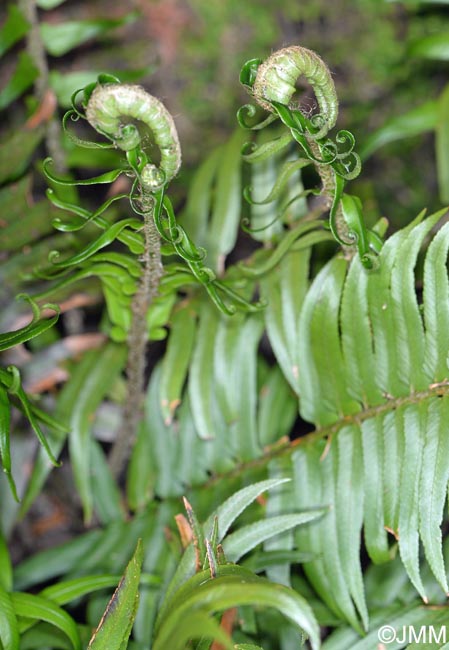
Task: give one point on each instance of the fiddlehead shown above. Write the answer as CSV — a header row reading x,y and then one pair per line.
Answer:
x,y
140,126
109,110
273,84
276,79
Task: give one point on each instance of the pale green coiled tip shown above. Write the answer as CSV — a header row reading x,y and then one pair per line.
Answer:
x,y
116,110
276,80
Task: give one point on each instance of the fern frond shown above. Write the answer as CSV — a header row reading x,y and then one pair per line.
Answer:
x,y
372,377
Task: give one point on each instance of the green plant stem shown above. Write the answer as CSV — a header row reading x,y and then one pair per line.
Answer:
x,y
137,339
37,52
327,176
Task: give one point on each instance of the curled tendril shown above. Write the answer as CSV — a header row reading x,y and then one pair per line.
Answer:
x,y
74,115
368,242
108,177
248,111
345,137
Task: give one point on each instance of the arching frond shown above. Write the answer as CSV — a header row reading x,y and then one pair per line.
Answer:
x,y
372,377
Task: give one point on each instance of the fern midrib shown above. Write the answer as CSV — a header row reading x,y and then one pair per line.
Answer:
x,y
283,448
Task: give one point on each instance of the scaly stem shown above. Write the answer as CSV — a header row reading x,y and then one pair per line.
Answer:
x,y
137,339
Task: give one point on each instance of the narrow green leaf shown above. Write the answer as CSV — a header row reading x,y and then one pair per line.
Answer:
x,y
277,409
284,289
246,538
37,608
258,152
44,635
107,177
324,397
434,46
63,37
436,306
131,239
30,331
349,506
155,471
77,402
106,494
116,624
393,445
376,539
14,387
265,219
194,457
95,375
310,491
228,512
280,500
5,430
442,144
9,632
96,245
201,371
67,590
5,565
356,338
414,429
282,179
433,486
382,317
407,320
176,360
22,77
235,358
225,219
414,122
13,29
51,563
196,214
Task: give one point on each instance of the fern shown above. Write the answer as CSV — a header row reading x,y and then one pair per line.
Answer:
x,y
377,456
360,354
372,376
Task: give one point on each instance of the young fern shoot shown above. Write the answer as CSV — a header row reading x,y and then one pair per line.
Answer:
x,y
108,110
134,121
272,84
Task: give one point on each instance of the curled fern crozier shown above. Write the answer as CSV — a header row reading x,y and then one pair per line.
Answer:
x,y
110,109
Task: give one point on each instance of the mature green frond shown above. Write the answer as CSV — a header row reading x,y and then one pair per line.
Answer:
x,y
373,378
